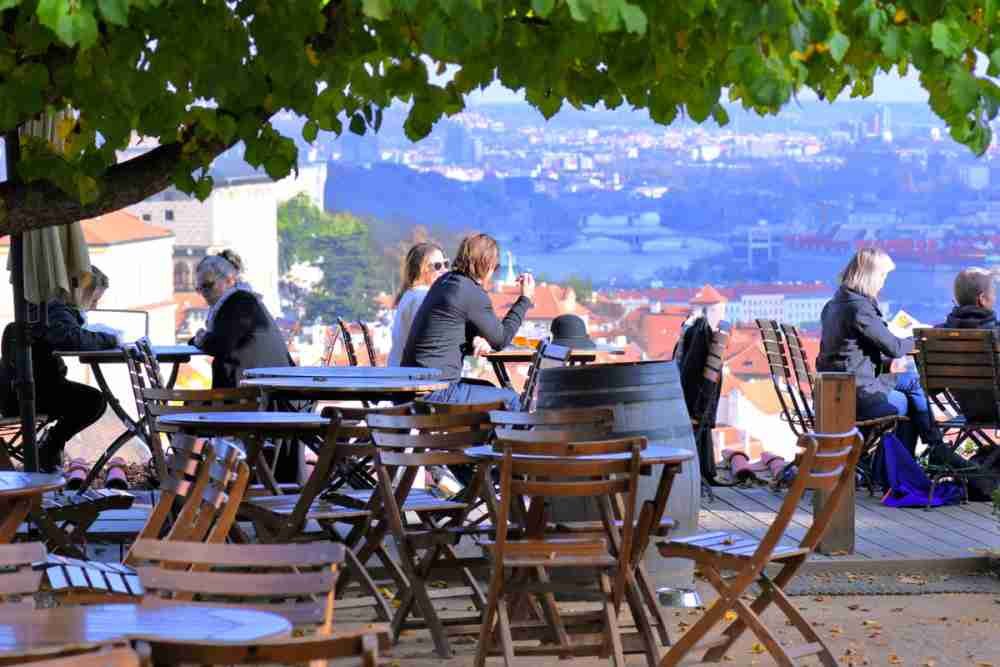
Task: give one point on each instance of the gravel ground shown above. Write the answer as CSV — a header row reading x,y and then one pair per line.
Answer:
x,y
917,630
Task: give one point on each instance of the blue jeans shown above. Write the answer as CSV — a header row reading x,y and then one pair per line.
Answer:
x,y
905,399
466,393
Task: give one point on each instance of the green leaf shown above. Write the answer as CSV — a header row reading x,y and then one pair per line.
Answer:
x,y
948,38
634,19
72,21
357,125
543,8
377,9
994,68
310,131
839,43
9,4
115,11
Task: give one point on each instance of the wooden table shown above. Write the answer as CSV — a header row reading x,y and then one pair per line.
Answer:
x,y
648,520
253,428
525,355
23,630
18,492
326,372
344,388
171,354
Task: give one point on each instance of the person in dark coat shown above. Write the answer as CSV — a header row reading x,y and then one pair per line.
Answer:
x,y
456,311
71,405
975,299
855,339
239,332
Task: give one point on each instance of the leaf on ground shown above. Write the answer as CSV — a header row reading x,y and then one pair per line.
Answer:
x,y
757,648
895,659
731,616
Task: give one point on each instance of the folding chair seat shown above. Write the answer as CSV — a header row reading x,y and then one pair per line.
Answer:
x,y
827,463
65,517
19,575
10,439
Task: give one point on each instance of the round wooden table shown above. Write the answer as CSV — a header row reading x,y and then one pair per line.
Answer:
x,y
253,428
374,372
18,491
23,629
344,388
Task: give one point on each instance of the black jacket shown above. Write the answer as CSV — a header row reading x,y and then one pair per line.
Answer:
x,y
456,310
855,339
63,332
971,317
243,335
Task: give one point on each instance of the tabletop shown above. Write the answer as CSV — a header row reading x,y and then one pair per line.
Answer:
x,y
14,483
344,386
164,353
211,423
22,629
373,372
652,455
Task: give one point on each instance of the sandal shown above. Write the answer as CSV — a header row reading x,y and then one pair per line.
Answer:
x,y
115,477
76,472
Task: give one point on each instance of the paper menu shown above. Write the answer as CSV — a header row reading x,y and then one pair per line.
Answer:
x,y
903,324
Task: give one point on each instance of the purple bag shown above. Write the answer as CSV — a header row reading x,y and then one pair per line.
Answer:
x,y
908,485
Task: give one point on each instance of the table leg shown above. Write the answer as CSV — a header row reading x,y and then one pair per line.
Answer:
x,y
132,428
255,457
14,511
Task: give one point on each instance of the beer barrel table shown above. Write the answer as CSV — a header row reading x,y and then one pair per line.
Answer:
x,y
648,401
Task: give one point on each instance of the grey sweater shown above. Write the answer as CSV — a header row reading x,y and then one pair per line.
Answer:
x,y
456,310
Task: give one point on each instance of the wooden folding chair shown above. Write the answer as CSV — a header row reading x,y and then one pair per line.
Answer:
x,y
405,444
11,449
366,337
960,372
330,346
205,480
296,581
345,334
86,655
285,518
534,471
546,356
360,649
794,382
18,580
827,463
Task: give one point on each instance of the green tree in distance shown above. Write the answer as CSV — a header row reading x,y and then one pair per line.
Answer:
x,y
340,246
199,77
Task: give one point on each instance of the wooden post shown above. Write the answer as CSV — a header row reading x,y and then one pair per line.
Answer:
x,y
836,410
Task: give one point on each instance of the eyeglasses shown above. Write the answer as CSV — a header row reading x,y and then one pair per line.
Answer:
x,y
205,287
439,266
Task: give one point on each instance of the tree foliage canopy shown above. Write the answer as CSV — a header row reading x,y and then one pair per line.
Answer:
x,y
199,77
340,246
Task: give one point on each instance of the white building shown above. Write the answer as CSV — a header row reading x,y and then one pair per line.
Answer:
x,y
241,214
310,180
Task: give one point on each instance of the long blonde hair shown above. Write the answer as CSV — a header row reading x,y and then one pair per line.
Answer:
x,y
859,274
477,255
413,266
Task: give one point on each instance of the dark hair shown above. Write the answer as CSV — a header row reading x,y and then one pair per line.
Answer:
x,y
478,254
970,284
413,266
222,265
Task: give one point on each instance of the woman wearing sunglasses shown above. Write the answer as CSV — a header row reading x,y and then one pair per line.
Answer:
x,y
424,264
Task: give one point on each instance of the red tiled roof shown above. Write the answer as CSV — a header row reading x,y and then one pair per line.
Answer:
x,y
114,228
549,303
707,296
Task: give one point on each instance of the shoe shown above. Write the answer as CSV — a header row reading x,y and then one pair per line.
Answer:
x,y
115,477
76,473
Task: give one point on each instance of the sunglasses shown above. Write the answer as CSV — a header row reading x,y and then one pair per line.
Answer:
x,y
205,287
438,266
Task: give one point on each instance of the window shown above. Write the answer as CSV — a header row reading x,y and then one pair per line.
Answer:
x,y
168,215
182,277
146,217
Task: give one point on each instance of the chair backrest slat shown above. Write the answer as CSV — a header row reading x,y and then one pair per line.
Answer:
x,y
366,337
960,370
345,334
796,407
547,355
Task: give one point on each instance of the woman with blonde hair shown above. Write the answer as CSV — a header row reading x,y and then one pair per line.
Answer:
x,y
424,264
856,340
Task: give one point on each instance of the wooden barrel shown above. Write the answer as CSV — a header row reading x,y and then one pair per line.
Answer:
x,y
647,400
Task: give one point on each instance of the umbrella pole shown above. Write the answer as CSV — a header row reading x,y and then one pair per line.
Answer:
x,y
24,380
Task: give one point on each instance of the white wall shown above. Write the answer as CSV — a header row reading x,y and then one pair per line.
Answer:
x,y
245,218
310,180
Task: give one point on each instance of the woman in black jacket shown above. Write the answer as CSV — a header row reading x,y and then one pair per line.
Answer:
x,y
855,340
72,405
239,332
